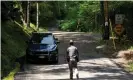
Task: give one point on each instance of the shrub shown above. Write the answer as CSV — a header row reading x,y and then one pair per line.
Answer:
x,y
69,25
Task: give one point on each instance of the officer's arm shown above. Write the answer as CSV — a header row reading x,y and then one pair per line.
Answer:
x,y
67,53
77,54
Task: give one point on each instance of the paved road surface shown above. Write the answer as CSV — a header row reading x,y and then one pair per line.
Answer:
x,y
92,65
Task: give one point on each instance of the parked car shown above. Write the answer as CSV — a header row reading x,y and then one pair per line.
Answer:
x,y
42,46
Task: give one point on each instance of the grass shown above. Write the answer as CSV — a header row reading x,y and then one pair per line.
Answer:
x,y
130,48
130,66
123,45
12,46
32,28
12,73
26,31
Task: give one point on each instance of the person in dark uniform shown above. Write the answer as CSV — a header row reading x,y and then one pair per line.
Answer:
x,y
72,59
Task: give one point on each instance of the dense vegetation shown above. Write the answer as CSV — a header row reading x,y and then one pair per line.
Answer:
x,y
82,16
13,46
72,16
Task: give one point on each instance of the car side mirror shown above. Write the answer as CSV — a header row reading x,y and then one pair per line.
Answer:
x,y
57,42
56,39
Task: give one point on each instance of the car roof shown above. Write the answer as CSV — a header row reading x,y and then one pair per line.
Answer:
x,y
41,32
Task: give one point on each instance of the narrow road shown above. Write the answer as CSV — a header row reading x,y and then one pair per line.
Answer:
x,y
92,65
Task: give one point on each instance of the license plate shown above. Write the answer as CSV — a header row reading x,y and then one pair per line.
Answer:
x,y
41,56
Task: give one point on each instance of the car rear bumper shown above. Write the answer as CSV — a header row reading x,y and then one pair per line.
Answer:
x,y
43,57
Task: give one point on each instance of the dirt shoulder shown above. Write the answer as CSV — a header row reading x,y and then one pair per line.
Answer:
x,y
121,56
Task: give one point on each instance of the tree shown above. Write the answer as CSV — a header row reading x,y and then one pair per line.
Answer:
x,y
37,15
22,10
28,14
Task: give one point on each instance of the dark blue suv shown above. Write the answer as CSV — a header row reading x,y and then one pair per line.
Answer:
x,y
42,46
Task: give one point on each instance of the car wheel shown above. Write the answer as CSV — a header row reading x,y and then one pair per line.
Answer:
x,y
27,59
56,60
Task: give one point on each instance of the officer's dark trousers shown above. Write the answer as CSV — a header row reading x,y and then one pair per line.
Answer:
x,y
73,65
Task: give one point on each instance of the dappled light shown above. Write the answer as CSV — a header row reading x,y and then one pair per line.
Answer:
x,y
39,38
92,65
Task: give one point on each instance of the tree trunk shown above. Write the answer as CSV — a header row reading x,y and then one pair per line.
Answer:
x,y
28,14
78,24
22,19
23,13
37,18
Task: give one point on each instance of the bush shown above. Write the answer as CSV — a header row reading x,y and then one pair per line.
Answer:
x,y
69,25
12,46
130,68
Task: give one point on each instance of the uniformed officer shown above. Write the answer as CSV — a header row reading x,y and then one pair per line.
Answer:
x,y
72,59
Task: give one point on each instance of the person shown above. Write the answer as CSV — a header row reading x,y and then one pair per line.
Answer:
x,y
72,59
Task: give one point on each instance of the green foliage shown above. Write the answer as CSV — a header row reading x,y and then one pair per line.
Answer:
x,y
126,8
131,48
32,26
86,12
6,10
69,25
130,68
13,45
12,73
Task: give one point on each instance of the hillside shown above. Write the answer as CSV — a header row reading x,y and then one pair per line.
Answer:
x,y
13,45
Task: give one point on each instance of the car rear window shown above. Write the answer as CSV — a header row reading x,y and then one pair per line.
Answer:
x,y
43,38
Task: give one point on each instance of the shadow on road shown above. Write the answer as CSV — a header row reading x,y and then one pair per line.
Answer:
x,y
85,42
92,66
41,63
100,73
98,77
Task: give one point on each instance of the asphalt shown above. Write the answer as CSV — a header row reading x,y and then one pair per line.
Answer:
x,y
92,65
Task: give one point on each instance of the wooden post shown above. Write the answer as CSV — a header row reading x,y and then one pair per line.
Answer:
x,y
112,34
106,11
106,22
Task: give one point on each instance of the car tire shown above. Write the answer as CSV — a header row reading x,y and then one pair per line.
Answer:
x,y
27,59
56,60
